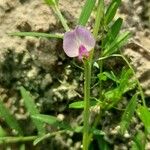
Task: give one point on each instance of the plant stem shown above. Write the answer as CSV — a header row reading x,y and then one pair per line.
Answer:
x,y
48,135
87,82
102,39
62,19
16,139
98,22
37,34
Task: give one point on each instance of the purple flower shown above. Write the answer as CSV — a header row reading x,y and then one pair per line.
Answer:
x,y
78,43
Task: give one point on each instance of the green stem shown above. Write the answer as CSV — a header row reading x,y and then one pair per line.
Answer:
x,y
98,21
62,19
48,135
16,139
37,34
87,82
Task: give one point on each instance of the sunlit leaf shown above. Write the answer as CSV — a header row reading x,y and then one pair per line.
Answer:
x,y
77,105
111,11
80,104
2,132
102,77
144,114
51,2
86,12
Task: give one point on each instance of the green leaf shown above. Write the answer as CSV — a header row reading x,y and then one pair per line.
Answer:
x,y
144,114
111,11
98,132
113,32
113,95
128,114
9,118
2,132
86,12
117,43
22,147
80,104
108,75
77,105
36,34
32,110
51,2
102,77
139,141
99,18
51,120
102,144
126,83
48,135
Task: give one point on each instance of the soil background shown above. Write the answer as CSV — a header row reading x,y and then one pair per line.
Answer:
x,y
40,65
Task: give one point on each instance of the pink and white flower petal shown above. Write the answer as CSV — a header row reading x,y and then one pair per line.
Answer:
x,y
70,44
85,37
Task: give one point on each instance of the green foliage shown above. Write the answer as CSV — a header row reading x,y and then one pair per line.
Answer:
x,y
2,132
139,141
22,147
77,105
51,120
51,2
111,11
45,136
32,110
86,12
80,104
106,75
124,84
127,82
144,114
112,32
99,18
128,114
9,119
36,34
102,144
117,43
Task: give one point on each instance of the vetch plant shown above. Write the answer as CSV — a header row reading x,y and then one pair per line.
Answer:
x,y
112,85
79,43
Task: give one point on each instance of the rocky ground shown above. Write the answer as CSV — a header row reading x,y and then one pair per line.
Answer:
x,y
41,66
